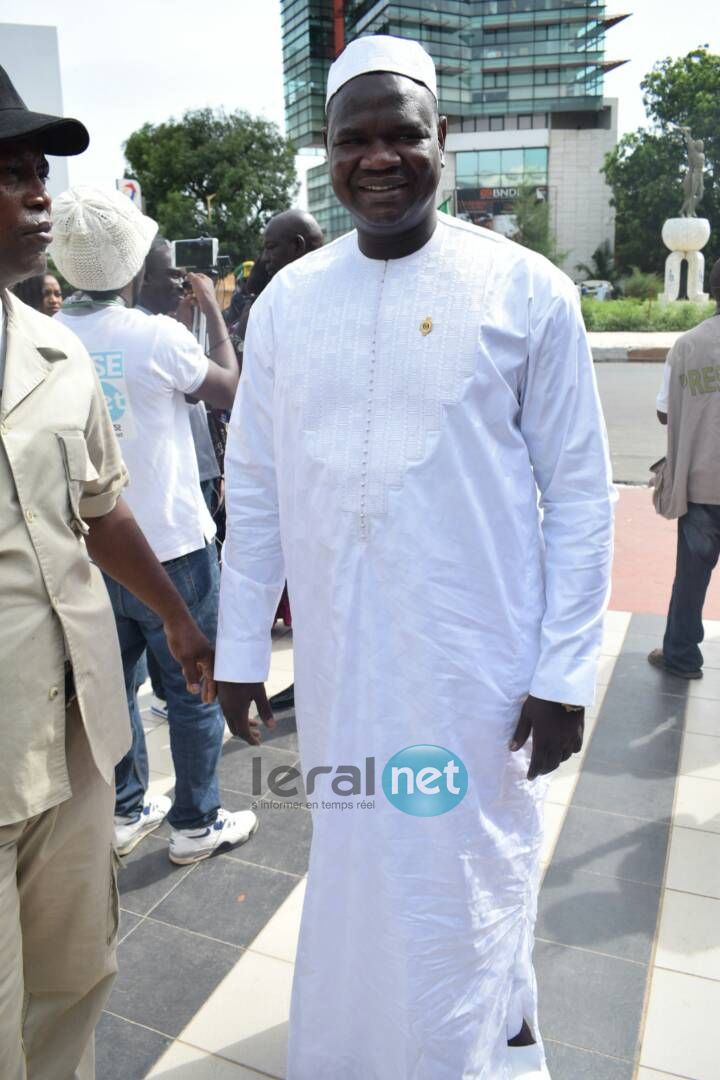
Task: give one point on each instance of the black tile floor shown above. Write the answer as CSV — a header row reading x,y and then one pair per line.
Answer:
x,y
599,905
183,929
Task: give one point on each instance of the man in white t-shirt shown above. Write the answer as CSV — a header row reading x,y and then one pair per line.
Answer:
x,y
146,366
161,294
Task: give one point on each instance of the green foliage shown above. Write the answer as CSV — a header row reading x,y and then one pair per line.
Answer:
x,y
629,314
640,285
532,219
644,173
686,91
645,169
602,267
242,160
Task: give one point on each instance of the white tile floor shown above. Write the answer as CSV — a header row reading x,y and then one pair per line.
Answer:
x,y
694,863
650,1074
680,1029
245,1019
684,1000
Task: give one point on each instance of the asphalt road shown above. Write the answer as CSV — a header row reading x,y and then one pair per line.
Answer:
x,y
628,393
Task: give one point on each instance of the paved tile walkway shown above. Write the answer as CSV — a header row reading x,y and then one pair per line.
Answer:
x,y
628,935
612,900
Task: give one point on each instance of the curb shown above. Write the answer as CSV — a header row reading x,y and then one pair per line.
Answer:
x,y
629,354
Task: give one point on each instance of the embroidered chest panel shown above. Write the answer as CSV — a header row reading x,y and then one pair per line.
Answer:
x,y
374,358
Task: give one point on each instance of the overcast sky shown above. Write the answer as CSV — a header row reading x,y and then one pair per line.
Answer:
x,y
147,60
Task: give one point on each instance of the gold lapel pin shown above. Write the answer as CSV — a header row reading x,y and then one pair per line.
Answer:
x,y
426,326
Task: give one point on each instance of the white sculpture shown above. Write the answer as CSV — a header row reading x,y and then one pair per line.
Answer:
x,y
688,234
686,237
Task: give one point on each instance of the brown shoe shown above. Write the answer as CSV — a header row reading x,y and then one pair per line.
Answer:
x,y
657,659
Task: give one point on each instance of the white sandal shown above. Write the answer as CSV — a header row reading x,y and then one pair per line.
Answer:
x,y
526,1063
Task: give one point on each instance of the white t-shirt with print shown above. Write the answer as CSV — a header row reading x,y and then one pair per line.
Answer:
x,y
146,364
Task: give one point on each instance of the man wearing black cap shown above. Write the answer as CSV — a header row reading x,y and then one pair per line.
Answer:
x,y
64,717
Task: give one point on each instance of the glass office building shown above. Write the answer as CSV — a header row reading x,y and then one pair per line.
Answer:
x,y
510,72
308,51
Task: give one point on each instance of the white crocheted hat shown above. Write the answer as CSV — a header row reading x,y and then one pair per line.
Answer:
x,y
382,52
100,238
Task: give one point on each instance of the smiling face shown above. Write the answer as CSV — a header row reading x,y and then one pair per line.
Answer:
x,y
385,141
24,211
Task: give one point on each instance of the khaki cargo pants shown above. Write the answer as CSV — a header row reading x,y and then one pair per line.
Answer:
x,y
58,925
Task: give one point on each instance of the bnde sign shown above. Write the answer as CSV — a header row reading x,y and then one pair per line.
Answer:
x,y
425,780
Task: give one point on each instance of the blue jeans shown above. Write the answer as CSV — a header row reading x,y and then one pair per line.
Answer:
x,y
196,729
698,549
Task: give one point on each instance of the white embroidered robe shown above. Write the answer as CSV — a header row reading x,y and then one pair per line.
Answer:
x,y
440,503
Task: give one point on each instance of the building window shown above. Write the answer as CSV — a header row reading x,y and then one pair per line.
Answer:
x,y
513,169
497,123
535,162
524,122
489,172
466,168
501,168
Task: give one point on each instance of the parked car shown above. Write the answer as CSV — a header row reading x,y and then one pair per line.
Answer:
x,y
597,290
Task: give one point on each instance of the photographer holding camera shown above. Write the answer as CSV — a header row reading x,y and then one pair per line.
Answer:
x,y
147,365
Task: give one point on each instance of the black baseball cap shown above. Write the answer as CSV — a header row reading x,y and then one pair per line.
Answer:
x,y
55,134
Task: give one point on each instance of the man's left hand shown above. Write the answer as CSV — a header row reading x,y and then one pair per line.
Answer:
x,y
194,653
556,733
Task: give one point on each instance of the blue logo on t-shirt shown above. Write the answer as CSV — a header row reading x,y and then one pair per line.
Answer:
x,y
115,399
110,367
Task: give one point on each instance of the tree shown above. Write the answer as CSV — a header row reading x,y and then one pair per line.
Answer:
x,y
241,160
603,265
532,222
645,169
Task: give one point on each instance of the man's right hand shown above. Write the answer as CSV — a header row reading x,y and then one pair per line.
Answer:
x,y
235,701
204,292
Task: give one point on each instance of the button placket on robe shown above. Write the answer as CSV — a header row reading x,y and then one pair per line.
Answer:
x,y
364,466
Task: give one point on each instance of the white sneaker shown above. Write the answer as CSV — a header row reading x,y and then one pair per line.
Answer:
x,y
192,845
526,1063
129,833
159,708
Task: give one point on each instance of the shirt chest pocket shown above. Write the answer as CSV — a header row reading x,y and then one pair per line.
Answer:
x,y
79,471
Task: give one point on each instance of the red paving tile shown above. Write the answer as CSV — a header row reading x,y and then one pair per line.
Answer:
x,y
644,564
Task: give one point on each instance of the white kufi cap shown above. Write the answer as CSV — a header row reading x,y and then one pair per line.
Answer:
x,y
381,52
100,238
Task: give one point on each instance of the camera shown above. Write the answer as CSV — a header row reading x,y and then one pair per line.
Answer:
x,y
200,255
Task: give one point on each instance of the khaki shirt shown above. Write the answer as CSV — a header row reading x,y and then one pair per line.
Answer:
x,y
59,464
